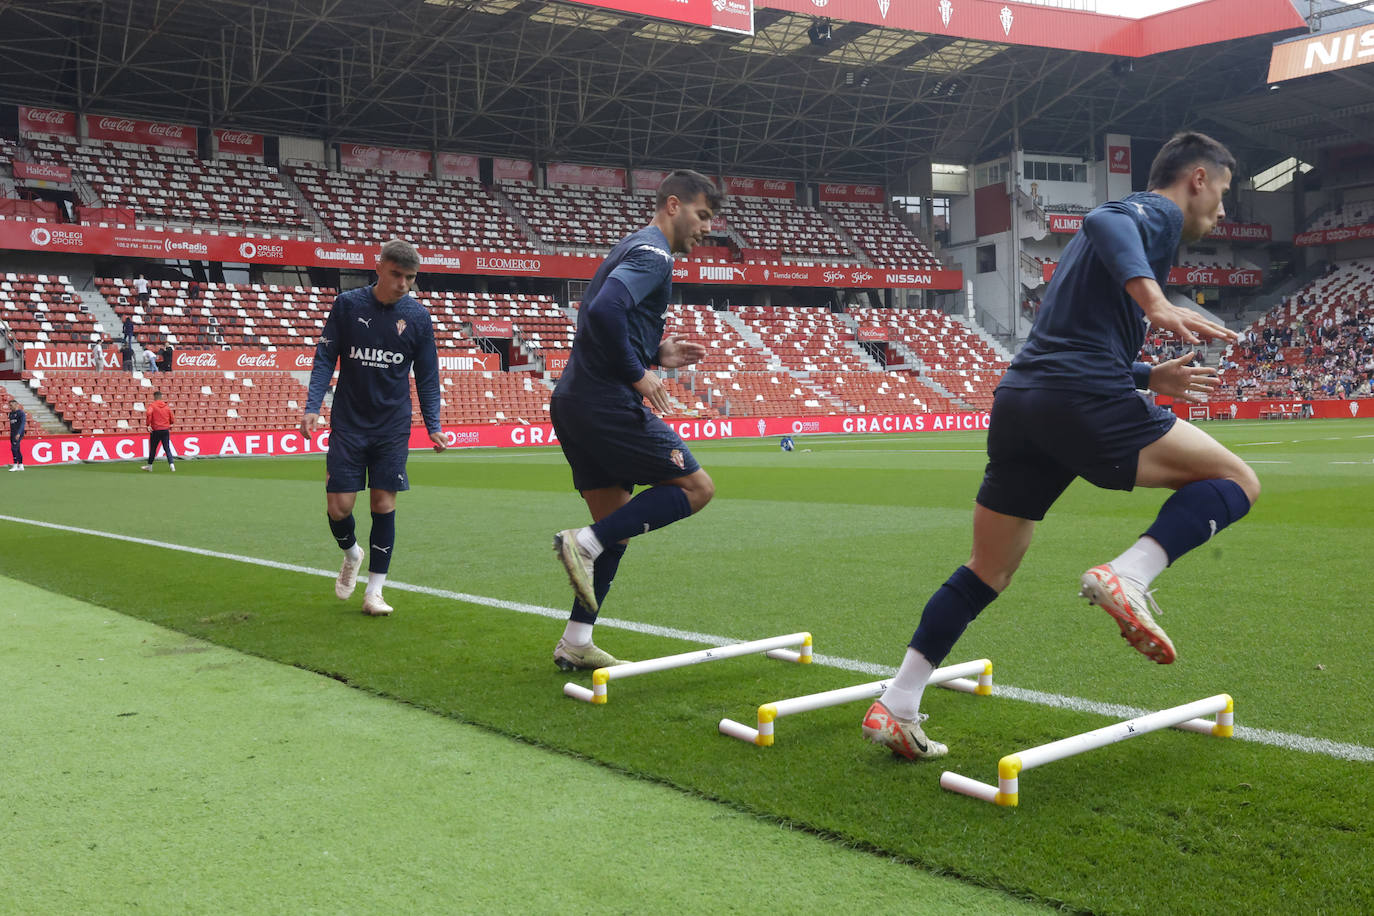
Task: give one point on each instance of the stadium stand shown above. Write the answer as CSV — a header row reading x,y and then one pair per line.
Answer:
x,y
800,233
221,314
38,309
370,207
580,219
951,353
489,397
538,325
807,340
1353,213
170,188
1317,343
883,237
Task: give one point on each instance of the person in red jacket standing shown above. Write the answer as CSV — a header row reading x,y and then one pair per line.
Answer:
x,y
160,421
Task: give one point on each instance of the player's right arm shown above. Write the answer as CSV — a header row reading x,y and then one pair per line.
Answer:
x,y
326,357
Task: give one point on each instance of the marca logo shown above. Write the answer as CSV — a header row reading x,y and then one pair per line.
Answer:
x,y
336,254
444,260
509,265
120,125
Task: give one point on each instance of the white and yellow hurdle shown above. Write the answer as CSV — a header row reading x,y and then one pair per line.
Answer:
x,y
1007,792
774,647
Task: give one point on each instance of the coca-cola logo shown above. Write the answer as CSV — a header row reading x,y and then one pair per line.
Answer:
x,y
174,131
237,138
46,116
1306,238
407,155
1341,235
305,360
119,125
257,361
200,360
775,186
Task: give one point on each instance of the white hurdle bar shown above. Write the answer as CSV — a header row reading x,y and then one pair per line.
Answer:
x,y
955,677
1006,792
773,647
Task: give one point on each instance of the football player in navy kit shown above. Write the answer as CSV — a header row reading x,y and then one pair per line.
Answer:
x,y
375,334
1069,407
611,440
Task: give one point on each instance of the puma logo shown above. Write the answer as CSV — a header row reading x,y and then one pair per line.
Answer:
x,y
365,322
381,549
1213,524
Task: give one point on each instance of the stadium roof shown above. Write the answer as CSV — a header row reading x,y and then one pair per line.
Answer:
x,y
576,83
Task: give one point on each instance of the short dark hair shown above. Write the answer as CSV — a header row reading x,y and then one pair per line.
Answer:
x,y
1184,151
157,394
685,185
402,254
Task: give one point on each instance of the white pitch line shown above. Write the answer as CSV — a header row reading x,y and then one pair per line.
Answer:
x,y
1286,740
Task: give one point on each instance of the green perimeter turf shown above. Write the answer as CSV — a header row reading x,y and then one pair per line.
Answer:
x,y
846,540
152,772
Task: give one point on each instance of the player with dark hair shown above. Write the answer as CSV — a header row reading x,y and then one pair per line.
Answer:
x,y
1069,407
611,440
19,421
160,420
375,334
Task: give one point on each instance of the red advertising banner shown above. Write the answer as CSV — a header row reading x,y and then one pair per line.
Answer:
x,y
760,187
1119,159
145,133
46,122
1321,53
190,444
14,208
1196,276
459,165
231,360
1334,236
1275,409
1045,26
512,170
491,327
120,215
873,334
151,243
727,15
1066,223
69,359
41,173
562,174
556,360
1243,232
851,193
239,142
360,156
648,179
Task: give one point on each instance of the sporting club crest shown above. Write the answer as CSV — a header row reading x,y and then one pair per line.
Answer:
x,y
883,6
675,456
1007,18
400,326
946,11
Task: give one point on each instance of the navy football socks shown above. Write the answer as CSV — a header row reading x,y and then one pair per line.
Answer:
x,y
382,539
342,529
949,612
652,508
1196,512
603,574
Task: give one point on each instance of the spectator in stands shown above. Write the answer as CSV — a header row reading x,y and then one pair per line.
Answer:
x,y
160,421
193,290
98,353
610,439
151,358
126,354
129,332
1068,408
166,356
141,289
19,422
375,334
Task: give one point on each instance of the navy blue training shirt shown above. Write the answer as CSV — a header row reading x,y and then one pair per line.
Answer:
x,y
1089,330
375,346
18,421
620,324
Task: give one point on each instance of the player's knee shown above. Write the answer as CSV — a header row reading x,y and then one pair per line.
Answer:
x,y
700,490
1246,478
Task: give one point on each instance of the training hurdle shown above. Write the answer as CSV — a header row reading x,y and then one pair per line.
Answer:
x,y
955,677
1010,767
773,647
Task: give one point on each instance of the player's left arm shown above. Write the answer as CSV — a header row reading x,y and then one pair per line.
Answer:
x,y
426,366
675,352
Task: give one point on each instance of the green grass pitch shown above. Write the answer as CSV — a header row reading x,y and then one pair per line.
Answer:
x,y
846,540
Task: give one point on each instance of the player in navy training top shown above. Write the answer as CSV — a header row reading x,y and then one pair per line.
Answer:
x,y
376,334
611,440
18,422
1068,407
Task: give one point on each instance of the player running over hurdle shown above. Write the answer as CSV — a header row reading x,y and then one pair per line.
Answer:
x,y
1069,407
611,440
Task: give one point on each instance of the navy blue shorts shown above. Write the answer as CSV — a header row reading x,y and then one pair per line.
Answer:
x,y
358,462
618,445
1039,440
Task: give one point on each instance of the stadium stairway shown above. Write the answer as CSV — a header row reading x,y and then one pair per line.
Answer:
x,y
854,246
106,321
39,412
1001,351
509,208
750,337
298,197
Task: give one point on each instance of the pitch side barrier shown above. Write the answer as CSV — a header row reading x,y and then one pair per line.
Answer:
x,y
132,445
